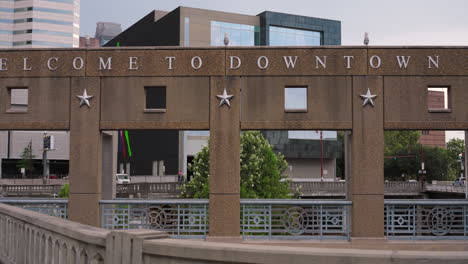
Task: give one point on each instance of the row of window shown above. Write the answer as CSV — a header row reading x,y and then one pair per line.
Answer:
x,y
295,99
41,20
248,35
37,31
42,43
238,34
40,31
42,9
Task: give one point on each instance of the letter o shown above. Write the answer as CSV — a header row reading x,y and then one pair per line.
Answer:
x,y
200,62
259,62
371,62
75,60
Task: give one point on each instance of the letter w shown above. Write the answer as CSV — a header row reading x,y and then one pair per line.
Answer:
x,y
403,61
289,61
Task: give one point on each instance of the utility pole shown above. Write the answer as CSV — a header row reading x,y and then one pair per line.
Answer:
x,y
44,160
321,156
466,164
48,144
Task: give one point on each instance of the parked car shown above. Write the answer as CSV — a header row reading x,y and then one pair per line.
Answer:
x,y
122,179
459,182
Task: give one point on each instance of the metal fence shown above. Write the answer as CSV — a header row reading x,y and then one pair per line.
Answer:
x,y
295,219
432,219
280,219
52,207
180,218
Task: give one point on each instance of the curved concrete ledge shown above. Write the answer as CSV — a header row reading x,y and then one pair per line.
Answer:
x,y
184,251
74,230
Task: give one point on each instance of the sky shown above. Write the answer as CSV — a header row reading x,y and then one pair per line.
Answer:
x,y
388,22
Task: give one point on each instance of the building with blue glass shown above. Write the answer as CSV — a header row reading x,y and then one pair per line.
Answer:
x,y
192,27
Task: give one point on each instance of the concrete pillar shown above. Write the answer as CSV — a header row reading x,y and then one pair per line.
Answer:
x,y
224,209
85,153
466,164
367,157
347,162
109,164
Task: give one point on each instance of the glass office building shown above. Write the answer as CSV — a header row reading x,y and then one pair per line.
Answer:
x,y
39,23
239,34
281,36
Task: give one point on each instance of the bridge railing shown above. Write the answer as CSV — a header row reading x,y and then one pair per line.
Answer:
x,y
144,188
180,218
402,187
295,219
338,188
316,188
52,207
30,190
420,219
280,219
446,188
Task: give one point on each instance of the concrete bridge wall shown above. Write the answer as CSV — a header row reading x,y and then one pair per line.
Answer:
x,y
29,237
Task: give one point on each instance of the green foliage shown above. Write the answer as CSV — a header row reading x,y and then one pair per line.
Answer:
x,y
261,171
64,191
455,147
398,141
440,163
340,159
27,159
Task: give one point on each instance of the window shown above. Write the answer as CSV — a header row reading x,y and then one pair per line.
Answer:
x,y
425,132
238,34
18,99
187,31
312,134
281,36
295,99
155,99
438,99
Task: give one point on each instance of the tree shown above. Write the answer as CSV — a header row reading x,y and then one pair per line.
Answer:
x,y
27,160
455,147
401,143
261,171
64,191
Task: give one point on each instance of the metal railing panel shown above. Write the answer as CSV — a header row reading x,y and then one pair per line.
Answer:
x,y
426,219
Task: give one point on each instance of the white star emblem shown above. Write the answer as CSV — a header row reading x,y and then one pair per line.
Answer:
x,y
368,98
84,99
225,98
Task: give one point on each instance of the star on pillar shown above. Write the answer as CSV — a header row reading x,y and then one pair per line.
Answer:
x,y
368,98
224,98
84,99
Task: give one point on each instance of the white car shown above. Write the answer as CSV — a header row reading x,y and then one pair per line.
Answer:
x,y
122,179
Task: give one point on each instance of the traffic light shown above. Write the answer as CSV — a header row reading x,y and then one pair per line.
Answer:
x,y
48,142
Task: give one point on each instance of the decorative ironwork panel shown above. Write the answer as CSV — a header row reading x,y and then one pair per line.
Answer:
x,y
177,217
52,207
431,218
293,219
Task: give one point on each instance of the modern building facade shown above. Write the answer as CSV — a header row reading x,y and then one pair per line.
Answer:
x,y
39,23
192,27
